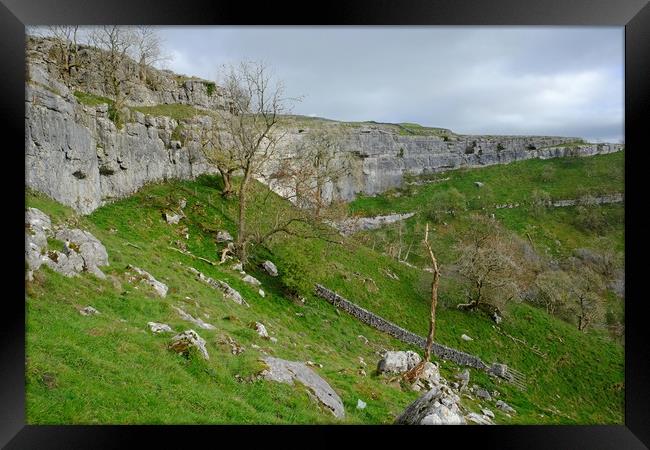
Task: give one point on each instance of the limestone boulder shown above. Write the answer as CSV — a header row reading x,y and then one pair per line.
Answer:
x,y
398,361
438,406
283,371
181,343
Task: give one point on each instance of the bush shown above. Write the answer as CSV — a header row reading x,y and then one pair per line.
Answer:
x,y
590,219
294,278
539,201
444,204
548,174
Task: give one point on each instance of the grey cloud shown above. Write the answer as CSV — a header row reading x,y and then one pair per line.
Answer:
x,y
513,80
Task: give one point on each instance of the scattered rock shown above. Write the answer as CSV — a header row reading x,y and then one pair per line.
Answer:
x,y
223,236
159,327
398,362
436,407
488,413
362,362
182,203
362,372
273,339
464,379
479,184
363,338
228,291
479,419
261,292
465,337
172,219
181,343
88,311
160,288
197,322
83,243
270,268
261,330
235,348
503,406
361,404
251,280
313,364
238,267
483,394
283,371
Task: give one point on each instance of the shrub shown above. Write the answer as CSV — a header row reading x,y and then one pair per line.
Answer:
x,y
590,219
548,174
539,201
446,203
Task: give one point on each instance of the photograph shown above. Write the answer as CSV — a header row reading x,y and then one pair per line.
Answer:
x,y
325,225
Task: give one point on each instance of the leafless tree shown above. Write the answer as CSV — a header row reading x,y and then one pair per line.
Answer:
x,y
434,295
487,262
256,105
219,150
554,290
586,304
147,49
115,42
65,37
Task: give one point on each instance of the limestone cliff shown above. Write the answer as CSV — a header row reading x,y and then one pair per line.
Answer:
x,y
77,155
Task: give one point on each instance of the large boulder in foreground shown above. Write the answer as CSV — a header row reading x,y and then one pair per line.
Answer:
x,y
92,251
284,371
398,362
439,406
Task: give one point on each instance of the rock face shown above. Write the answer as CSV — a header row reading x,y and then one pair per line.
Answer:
x,y
160,288
181,343
398,362
355,224
439,406
283,371
76,155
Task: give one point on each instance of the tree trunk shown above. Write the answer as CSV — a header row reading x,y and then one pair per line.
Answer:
x,y
434,297
241,223
227,184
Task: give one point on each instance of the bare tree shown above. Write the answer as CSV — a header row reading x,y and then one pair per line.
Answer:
x,y
487,262
586,303
434,295
219,150
147,49
115,42
256,105
65,37
554,290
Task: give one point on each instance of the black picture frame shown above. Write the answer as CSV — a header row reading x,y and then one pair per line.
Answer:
x,y
634,15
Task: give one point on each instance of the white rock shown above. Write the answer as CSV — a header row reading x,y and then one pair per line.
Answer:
x,y
361,404
261,330
159,327
160,288
88,311
223,236
261,292
398,362
251,280
270,268
182,342
465,337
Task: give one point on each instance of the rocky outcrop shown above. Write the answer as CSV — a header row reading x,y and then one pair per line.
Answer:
x,y
354,224
183,342
439,406
198,322
398,362
81,251
283,371
146,277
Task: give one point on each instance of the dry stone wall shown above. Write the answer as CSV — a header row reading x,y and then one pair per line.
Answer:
x,y
381,324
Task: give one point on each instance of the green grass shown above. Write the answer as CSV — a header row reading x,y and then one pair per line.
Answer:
x,y
111,369
176,111
89,99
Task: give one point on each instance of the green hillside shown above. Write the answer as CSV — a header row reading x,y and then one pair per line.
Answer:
x,y
110,368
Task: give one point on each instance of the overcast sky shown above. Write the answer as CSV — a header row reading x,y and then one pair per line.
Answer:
x,y
564,81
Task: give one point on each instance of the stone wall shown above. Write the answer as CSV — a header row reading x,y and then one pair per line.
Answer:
x,y
381,324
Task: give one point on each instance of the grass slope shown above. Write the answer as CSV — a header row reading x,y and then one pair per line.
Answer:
x,y
111,369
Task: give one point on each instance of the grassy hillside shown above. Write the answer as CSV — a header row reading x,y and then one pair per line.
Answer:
x,y
110,368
